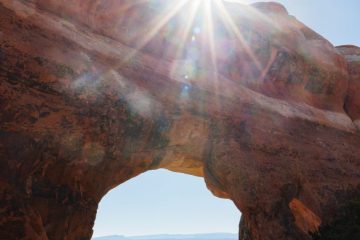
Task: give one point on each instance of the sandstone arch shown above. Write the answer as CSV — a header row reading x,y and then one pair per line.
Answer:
x,y
77,119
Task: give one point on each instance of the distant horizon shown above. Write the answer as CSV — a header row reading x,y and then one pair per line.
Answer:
x,y
201,236
169,234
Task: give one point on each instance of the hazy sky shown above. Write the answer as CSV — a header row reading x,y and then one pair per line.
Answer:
x,y
165,202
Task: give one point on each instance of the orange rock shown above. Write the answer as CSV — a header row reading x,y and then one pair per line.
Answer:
x,y
305,219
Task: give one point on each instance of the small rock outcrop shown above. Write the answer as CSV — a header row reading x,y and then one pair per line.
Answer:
x,y
93,93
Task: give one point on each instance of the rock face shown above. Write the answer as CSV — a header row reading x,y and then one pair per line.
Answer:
x,y
93,93
352,103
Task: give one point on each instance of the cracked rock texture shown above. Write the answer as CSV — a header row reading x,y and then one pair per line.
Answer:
x,y
93,93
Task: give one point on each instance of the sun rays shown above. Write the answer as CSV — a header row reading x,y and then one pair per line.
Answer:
x,y
191,10
191,36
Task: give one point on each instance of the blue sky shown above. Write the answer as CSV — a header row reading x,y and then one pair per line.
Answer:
x,y
165,202
336,20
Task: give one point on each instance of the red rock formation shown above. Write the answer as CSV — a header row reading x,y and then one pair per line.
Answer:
x,y
257,110
352,103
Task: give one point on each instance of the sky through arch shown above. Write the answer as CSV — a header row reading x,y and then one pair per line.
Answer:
x,y
160,201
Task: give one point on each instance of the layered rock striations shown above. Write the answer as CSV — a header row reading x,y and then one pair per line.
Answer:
x,y
93,93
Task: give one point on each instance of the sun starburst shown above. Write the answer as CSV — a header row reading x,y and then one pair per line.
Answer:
x,y
192,32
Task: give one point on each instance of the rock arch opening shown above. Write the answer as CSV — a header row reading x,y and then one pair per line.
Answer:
x,y
165,202
272,135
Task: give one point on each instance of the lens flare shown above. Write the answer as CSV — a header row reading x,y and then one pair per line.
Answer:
x,y
196,38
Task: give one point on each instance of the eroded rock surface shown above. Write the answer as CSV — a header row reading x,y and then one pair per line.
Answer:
x,y
352,103
93,93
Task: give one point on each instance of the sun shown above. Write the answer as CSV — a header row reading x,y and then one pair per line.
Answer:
x,y
202,23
